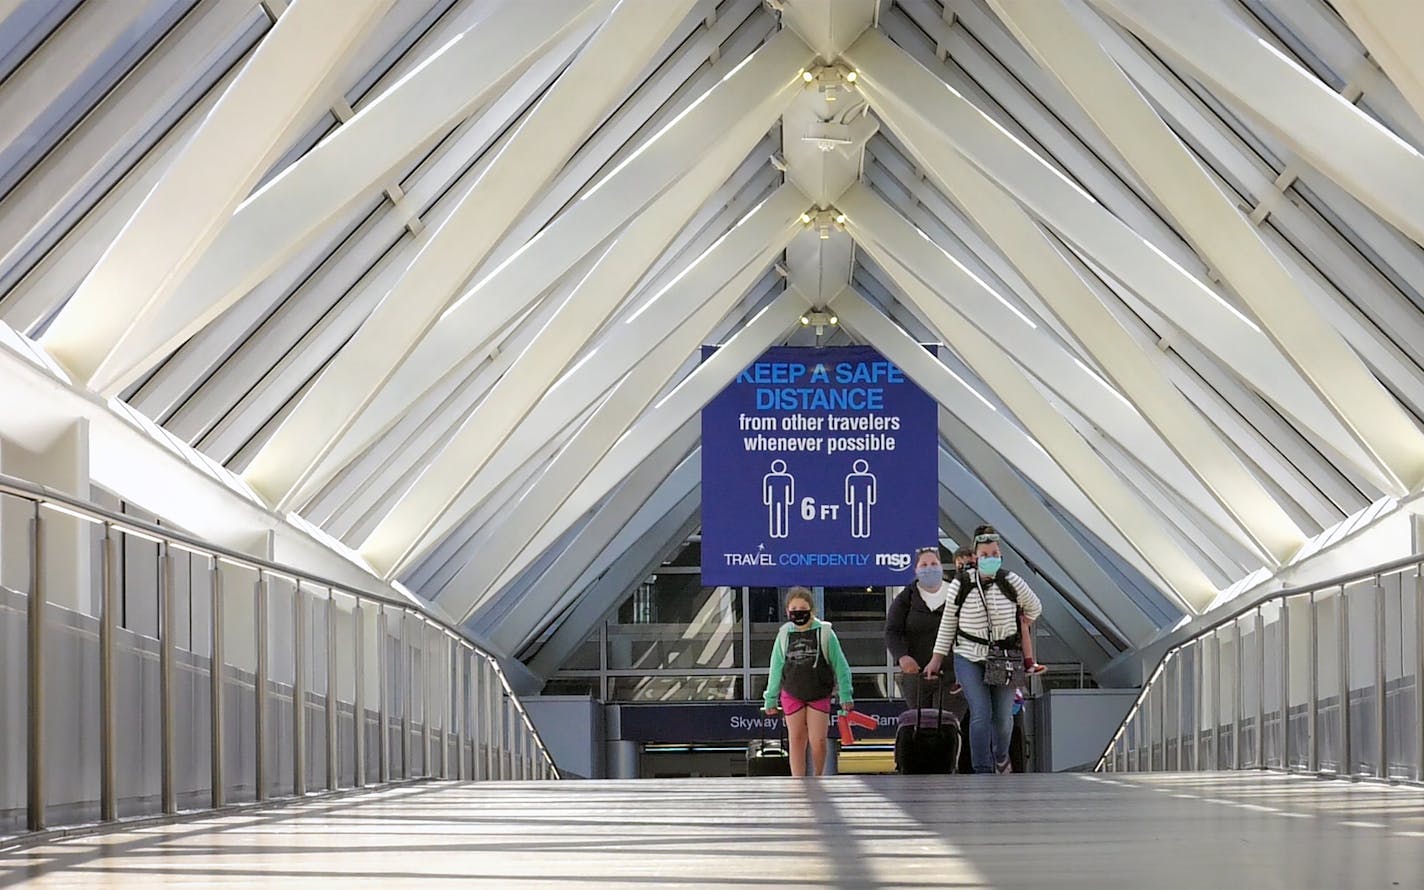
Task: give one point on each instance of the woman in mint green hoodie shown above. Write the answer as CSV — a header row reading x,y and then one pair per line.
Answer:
x,y
807,665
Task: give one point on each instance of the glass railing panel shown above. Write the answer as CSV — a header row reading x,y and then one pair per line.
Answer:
x,y
1300,669
1402,717
1273,679
1248,688
1329,729
1362,602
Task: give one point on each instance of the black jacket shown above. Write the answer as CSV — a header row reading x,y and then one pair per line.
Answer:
x,y
910,626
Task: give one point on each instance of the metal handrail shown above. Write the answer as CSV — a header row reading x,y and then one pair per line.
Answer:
x,y
1415,561
43,496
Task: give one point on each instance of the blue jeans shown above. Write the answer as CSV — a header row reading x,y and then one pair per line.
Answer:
x,y
991,715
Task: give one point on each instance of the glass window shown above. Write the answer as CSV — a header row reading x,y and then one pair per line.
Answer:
x,y
726,687
585,657
573,686
858,614
678,624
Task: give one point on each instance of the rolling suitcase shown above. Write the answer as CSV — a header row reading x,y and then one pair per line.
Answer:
x,y
927,740
769,757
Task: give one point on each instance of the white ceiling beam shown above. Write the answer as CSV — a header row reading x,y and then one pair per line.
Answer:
x,y
1057,615
897,86
674,322
1320,125
591,542
395,399
1143,527
1135,373
1210,487
571,108
1124,510
231,286
537,505
990,486
1229,242
753,98
643,543
290,70
663,418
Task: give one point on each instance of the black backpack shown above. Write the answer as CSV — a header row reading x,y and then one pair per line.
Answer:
x,y
966,584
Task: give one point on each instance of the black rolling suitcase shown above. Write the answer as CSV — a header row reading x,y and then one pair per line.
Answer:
x,y
927,740
769,757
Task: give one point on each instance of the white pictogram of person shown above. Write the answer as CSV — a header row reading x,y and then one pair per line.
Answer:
x,y
860,495
778,492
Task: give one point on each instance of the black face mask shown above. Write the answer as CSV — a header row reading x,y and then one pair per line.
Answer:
x,y
800,616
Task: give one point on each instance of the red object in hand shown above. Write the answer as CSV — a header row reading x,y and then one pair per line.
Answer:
x,y
847,736
864,721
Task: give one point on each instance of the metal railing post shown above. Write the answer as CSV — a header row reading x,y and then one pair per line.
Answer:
x,y
384,716
1346,766
108,724
299,693
215,687
167,651
1312,721
1285,745
427,693
1381,692
408,712
1418,674
333,699
445,708
461,708
260,721
358,707
1260,689
35,703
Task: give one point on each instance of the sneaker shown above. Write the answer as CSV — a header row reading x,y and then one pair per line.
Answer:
x,y
956,689
1003,767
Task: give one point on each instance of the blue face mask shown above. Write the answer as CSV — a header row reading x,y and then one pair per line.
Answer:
x,y
990,565
930,577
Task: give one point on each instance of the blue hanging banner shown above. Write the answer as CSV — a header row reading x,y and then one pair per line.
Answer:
x,y
818,468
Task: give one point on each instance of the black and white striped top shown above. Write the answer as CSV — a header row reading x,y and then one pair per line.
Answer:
x,y
1001,617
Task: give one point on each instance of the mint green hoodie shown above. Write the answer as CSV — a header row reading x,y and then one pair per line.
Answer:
x,y
830,647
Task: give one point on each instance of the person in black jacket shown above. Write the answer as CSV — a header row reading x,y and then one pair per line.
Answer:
x,y
912,622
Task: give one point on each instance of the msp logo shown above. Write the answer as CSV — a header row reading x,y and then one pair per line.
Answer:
x,y
897,561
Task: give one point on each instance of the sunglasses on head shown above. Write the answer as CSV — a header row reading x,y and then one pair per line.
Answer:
x,y
986,539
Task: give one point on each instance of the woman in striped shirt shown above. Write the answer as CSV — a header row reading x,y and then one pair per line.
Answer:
x,y
984,615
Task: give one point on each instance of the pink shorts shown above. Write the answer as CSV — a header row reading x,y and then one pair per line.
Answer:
x,y
790,704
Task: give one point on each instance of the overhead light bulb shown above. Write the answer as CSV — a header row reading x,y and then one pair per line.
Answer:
x,y
835,320
805,219
840,219
807,76
805,319
852,77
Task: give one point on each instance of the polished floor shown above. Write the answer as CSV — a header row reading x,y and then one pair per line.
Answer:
x,y
1048,832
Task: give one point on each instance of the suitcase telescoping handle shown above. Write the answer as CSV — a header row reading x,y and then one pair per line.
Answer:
x,y
938,699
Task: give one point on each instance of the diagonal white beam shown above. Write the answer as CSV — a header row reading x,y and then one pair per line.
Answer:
x,y
1131,369
675,322
670,516
1142,530
899,86
992,481
584,312
661,420
611,420
619,520
1322,126
894,241
750,185
949,381
183,214
1390,29
547,138
1056,611
353,164
1226,238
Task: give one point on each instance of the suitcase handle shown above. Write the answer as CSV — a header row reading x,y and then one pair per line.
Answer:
x,y
937,700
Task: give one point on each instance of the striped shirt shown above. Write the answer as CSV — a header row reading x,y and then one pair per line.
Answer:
x,y
1001,616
